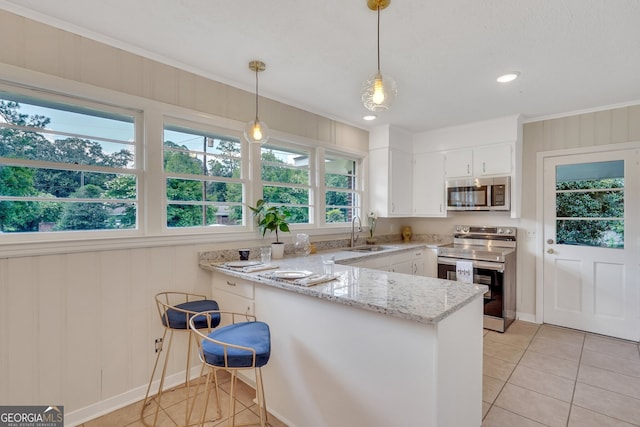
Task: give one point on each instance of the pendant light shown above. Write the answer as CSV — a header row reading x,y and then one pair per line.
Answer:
x,y
256,131
378,91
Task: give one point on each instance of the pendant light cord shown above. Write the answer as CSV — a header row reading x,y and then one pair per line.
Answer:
x,y
257,95
378,36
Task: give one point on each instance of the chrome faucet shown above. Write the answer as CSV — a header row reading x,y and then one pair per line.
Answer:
x,y
354,237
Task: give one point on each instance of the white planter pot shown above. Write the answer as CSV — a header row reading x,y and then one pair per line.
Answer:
x,y
277,250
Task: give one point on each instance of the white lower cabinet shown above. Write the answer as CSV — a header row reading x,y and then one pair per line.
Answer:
x,y
430,262
233,294
416,262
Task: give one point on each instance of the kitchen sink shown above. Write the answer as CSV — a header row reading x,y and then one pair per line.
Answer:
x,y
370,248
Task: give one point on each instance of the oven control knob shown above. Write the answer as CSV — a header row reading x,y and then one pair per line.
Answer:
x,y
465,229
501,231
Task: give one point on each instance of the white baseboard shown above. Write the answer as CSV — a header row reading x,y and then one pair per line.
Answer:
x,y
111,404
526,317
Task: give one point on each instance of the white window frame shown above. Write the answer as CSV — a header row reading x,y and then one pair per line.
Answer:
x,y
49,99
311,186
206,128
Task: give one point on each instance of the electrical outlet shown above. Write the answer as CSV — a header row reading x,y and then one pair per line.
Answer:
x,y
158,343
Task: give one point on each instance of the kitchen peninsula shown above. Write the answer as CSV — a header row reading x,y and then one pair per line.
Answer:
x,y
370,348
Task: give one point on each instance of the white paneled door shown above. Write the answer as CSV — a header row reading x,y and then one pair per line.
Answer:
x,y
591,242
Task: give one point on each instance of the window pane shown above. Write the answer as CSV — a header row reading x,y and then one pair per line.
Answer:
x,y
334,214
339,172
223,192
32,181
32,216
79,146
590,204
340,175
285,166
201,153
185,189
198,215
285,195
603,233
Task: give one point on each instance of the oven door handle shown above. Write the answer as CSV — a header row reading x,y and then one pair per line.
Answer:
x,y
487,265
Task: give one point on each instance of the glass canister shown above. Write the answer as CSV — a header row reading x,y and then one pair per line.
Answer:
x,y
302,245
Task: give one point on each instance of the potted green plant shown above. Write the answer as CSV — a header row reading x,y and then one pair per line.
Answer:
x,y
273,219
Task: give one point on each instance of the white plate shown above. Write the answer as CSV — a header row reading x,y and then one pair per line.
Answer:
x,y
238,264
291,274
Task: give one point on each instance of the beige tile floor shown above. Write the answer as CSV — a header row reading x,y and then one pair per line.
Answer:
x,y
533,376
173,407
549,376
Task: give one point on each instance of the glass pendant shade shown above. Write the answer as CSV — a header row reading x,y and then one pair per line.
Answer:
x,y
379,92
256,131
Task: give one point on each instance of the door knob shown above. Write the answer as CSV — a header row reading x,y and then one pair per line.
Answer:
x,y
550,241
550,251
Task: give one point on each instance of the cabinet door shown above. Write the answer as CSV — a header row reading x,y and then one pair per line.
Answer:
x,y
401,179
458,163
418,264
430,262
405,267
378,263
428,185
492,160
233,294
234,303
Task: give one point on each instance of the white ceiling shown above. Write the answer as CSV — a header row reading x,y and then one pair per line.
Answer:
x,y
445,55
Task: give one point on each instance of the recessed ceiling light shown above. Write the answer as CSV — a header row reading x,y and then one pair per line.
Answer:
x,y
509,77
370,117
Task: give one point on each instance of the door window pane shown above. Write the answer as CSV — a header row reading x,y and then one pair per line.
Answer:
x,y
590,204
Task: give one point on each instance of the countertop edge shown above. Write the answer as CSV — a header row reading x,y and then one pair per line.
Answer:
x,y
313,292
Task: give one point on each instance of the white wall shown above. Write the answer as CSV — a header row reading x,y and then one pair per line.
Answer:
x,y
77,321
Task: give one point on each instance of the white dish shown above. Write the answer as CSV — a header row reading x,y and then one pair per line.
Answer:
x,y
292,274
238,264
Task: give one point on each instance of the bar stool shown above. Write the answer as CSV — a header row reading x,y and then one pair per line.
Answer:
x,y
243,344
175,310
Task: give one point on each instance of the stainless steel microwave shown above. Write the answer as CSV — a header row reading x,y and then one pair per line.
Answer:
x,y
479,194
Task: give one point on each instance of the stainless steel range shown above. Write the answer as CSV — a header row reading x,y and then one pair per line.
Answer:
x,y
492,252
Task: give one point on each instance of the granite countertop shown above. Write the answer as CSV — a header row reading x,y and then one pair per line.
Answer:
x,y
418,298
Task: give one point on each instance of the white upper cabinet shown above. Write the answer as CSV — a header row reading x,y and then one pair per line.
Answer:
x,y
481,161
459,163
390,173
492,160
428,185
401,188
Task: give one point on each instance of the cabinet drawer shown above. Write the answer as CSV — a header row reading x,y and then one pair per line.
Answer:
x,y
233,303
233,285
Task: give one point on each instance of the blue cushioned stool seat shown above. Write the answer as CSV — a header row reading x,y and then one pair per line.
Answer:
x,y
255,335
179,320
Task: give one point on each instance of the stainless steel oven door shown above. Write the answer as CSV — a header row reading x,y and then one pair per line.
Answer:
x,y
484,273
